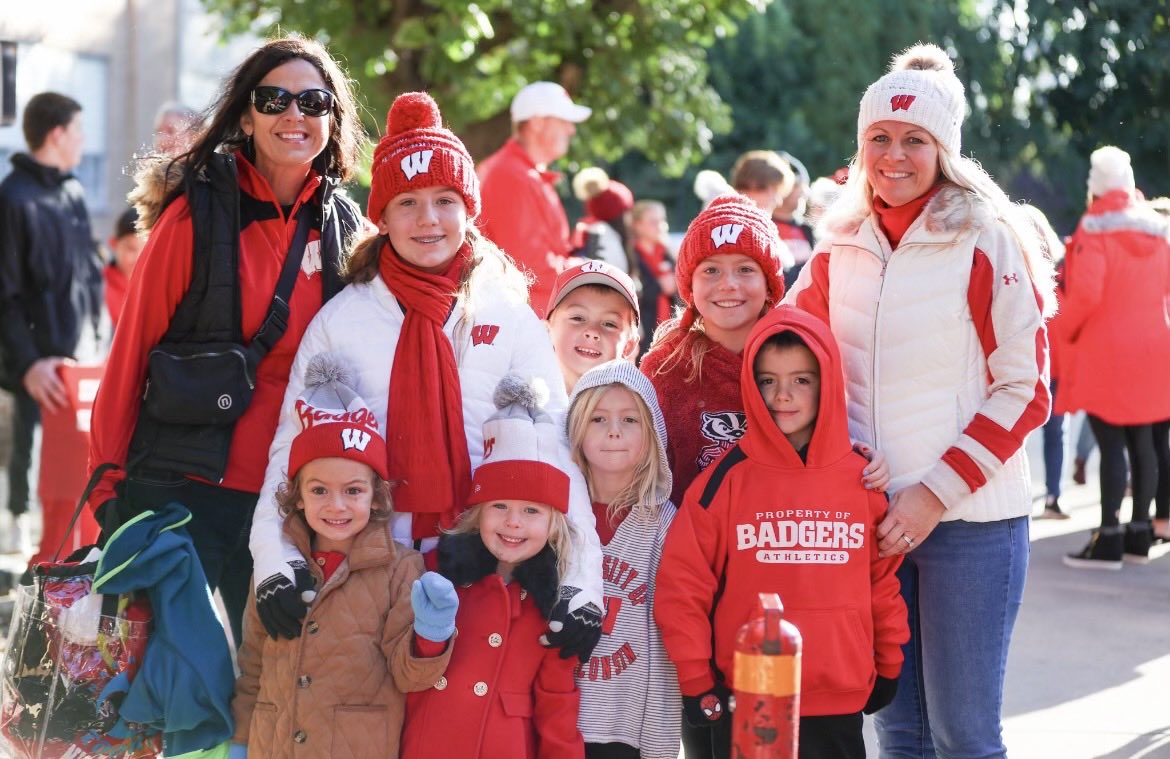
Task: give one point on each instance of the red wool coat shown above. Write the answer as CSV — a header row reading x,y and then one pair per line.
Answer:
x,y
504,696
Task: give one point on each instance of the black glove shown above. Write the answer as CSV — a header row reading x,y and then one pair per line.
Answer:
x,y
884,690
574,632
112,514
705,709
279,602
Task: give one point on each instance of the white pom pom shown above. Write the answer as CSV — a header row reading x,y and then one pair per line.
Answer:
x,y
514,389
922,57
326,368
711,184
589,182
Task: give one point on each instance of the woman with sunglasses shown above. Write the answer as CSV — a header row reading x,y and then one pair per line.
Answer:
x,y
256,191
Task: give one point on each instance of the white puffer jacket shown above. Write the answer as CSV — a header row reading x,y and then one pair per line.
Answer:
x,y
944,351
497,337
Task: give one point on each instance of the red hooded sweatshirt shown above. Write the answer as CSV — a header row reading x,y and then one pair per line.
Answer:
x,y
762,520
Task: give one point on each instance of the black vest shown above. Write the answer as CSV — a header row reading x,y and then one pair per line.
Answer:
x,y
210,312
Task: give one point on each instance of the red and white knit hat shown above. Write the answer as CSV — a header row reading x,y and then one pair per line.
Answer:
x,y
730,224
417,152
920,89
521,446
335,422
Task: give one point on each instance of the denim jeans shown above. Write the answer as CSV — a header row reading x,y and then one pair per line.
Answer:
x,y
963,587
1053,450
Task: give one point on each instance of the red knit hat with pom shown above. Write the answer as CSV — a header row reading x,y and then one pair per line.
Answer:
x,y
417,152
730,224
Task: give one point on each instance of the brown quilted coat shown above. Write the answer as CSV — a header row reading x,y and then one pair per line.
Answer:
x,y
337,691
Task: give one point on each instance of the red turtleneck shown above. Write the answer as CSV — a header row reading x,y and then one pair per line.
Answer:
x,y
895,220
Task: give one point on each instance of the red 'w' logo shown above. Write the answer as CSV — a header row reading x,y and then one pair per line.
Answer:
x,y
484,334
901,102
488,445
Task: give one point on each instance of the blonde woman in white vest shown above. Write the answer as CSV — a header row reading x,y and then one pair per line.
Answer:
x,y
936,291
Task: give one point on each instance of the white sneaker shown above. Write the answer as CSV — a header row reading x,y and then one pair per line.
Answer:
x,y
16,535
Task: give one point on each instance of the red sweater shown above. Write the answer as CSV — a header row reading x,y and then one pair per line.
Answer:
x,y
161,279
703,418
762,520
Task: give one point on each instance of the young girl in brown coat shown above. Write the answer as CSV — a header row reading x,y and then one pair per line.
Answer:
x,y
338,690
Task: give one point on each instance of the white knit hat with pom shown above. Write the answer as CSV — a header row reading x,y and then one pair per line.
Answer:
x,y
1109,169
920,89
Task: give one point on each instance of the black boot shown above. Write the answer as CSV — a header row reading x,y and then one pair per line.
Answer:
x,y
1138,537
1104,550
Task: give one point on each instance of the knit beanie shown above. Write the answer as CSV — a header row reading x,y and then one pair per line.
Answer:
x,y
1109,170
730,224
920,89
417,152
521,450
605,199
335,421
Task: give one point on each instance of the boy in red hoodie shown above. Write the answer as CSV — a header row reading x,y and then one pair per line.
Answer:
x,y
783,511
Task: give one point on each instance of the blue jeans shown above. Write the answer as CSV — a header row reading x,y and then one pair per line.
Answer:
x,y
963,587
1053,450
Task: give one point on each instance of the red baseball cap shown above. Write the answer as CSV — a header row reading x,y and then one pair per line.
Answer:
x,y
594,272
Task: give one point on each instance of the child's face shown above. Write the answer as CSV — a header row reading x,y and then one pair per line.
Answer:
x,y
651,224
514,531
336,496
789,379
126,250
589,327
614,441
426,226
729,290
765,198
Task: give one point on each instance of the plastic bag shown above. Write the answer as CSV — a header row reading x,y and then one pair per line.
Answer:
x,y
66,645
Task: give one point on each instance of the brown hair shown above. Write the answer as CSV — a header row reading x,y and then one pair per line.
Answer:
x,y
761,169
43,113
288,499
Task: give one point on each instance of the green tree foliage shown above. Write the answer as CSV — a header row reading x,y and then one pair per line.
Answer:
x,y
641,64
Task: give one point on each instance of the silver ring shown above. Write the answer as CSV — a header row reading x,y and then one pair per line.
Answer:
x,y
909,540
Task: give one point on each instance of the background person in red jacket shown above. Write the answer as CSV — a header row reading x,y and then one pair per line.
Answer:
x,y
783,511
125,247
1116,282
522,212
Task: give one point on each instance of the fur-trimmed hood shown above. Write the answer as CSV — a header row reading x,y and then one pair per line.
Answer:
x,y
1118,211
952,210
464,559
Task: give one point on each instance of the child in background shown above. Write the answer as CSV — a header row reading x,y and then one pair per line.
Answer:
x,y
602,233
338,689
592,318
791,225
648,229
629,688
767,180
783,512
125,247
504,695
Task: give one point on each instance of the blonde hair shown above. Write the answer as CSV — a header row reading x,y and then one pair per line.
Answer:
x,y
288,499
560,533
639,496
856,204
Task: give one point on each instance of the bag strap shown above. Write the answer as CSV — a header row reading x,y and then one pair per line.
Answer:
x,y
276,322
94,479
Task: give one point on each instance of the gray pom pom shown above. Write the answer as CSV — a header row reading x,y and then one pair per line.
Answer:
x,y
324,369
514,389
922,57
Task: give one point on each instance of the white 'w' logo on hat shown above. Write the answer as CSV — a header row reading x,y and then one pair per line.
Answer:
x,y
726,233
417,163
354,438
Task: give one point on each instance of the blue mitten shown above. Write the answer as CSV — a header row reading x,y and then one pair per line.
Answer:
x,y
435,602
237,751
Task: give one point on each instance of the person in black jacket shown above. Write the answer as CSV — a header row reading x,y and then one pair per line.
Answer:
x,y
50,276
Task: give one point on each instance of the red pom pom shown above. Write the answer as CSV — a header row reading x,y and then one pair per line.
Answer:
x,y
412,110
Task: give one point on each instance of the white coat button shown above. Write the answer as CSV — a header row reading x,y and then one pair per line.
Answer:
x,y
480,688
441,683
495,640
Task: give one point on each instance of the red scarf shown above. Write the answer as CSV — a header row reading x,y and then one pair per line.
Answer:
x,y
425,441
895,221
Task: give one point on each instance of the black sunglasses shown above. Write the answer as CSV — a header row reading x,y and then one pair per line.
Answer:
x,y
274,100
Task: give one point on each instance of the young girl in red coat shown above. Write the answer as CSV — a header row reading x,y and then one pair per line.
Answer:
x,y
629,689
504,695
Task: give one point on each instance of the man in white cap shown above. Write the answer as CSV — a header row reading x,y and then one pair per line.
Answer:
x,y
522,212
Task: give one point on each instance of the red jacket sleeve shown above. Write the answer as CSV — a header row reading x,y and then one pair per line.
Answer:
x,y
890,626
1084,283
555,707
810,291
688,579
161,279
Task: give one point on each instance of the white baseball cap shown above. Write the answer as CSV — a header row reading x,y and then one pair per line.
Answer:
x,y
547,99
